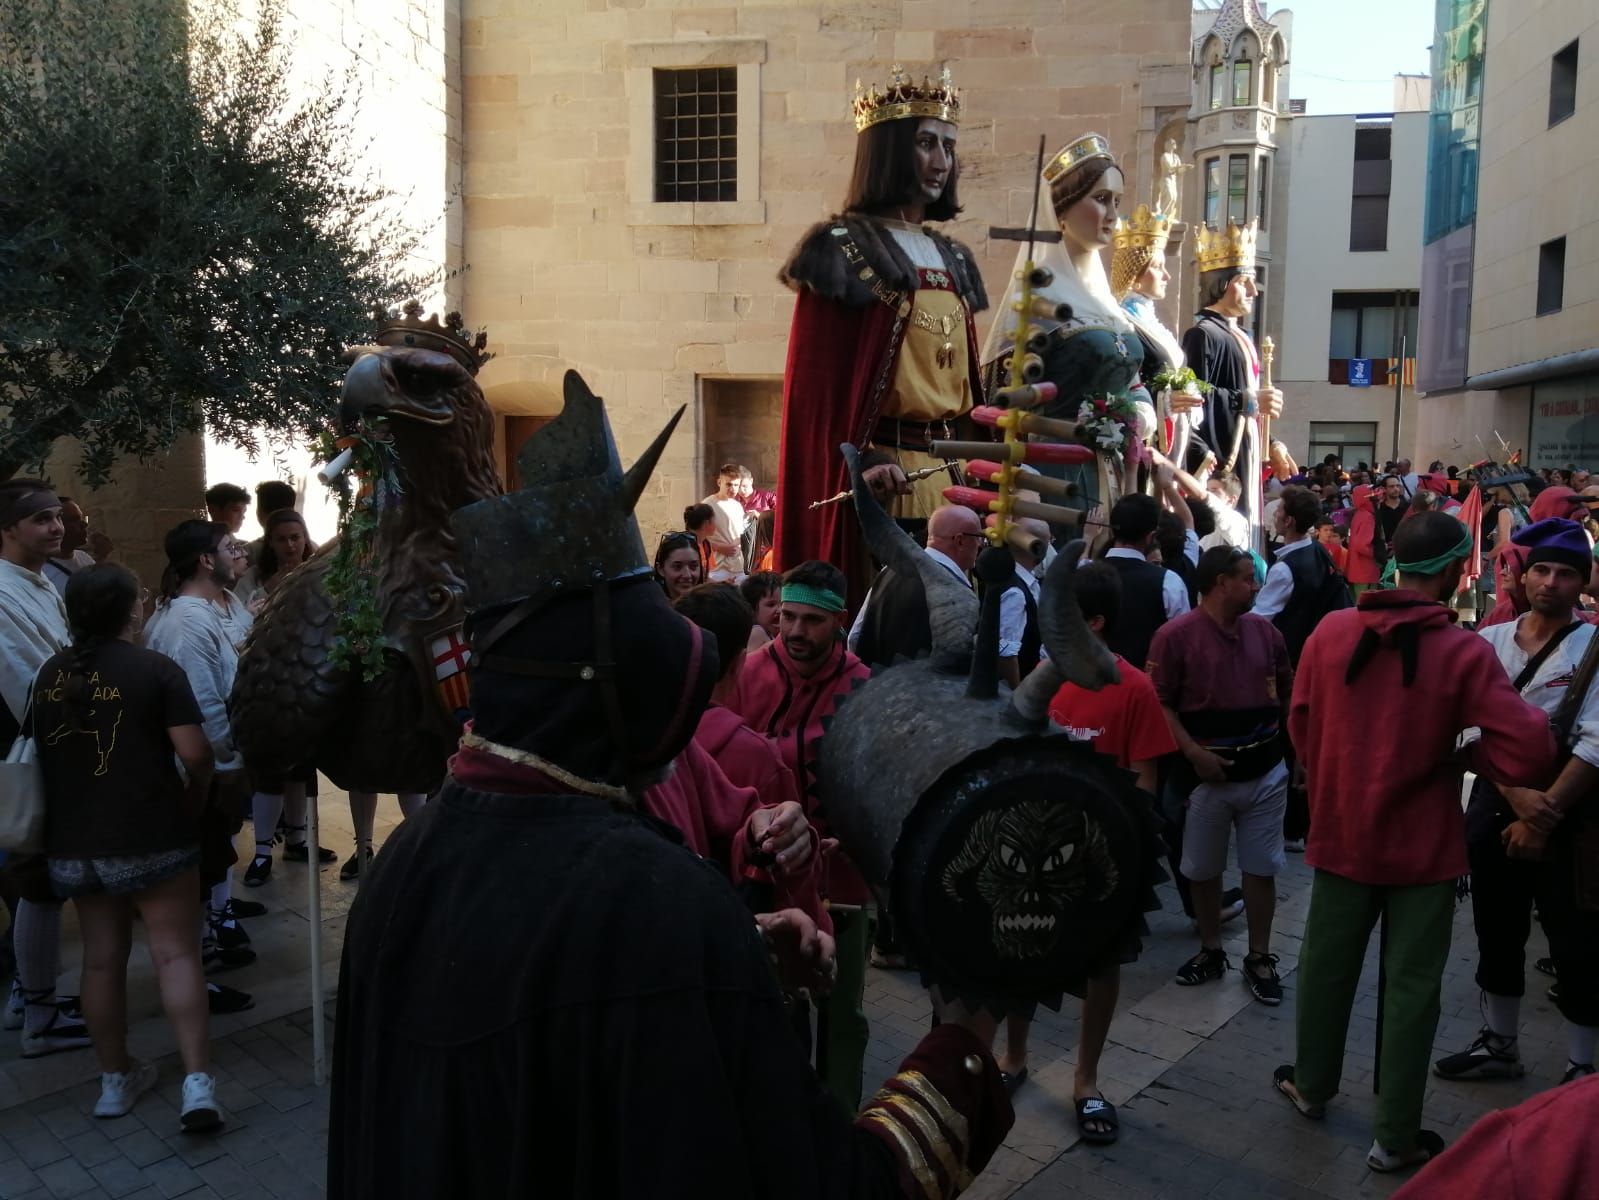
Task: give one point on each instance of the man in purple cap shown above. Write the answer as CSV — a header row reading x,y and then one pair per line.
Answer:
x,y
1531,847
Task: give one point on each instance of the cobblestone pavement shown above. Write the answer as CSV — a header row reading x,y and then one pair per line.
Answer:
x,y
1190,1069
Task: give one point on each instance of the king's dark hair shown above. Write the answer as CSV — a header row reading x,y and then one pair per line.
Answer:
x,y
885,174
1213,284
99,602
185,543
272,495
722,612
1134,517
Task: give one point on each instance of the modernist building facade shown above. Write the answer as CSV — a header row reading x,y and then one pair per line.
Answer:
x,y
1510,312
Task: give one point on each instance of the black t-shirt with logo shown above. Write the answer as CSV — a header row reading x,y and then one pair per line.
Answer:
x,y
112,787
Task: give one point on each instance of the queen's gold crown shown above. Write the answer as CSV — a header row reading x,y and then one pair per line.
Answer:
x,y
407,328
1230,248
903,97
1074,154
1144,228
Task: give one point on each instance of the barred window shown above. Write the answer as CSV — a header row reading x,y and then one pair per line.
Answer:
x,y
696,134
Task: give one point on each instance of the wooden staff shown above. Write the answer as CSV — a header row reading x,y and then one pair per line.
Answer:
x,y
1268,350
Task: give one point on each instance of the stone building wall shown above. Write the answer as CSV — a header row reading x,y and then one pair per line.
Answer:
x,y
571,265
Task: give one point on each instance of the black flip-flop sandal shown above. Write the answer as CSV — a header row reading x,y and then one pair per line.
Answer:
x,y
1012,1082
1285,1074
1100,1110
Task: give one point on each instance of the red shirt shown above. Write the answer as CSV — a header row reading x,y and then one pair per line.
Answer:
x,y
1197,666
1380,757
1123,720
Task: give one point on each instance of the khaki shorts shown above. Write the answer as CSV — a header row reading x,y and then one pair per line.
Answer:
x,y
1254,808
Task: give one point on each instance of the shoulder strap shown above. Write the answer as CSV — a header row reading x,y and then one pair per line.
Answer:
x,y
1536,662
1566,715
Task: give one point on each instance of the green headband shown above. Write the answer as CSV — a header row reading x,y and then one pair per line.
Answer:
x,y
1436,564
817,597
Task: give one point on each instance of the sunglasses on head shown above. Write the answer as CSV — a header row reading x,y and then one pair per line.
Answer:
x,y
681,538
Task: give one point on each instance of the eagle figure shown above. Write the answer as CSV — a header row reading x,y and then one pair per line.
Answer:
x,y
305,696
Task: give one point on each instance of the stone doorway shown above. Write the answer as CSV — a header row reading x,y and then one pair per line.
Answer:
x,y
742,423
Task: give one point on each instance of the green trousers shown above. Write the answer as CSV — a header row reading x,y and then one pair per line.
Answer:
x,y
842,1049
1342,915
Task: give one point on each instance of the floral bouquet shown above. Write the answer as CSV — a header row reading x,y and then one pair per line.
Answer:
x,y
1109,424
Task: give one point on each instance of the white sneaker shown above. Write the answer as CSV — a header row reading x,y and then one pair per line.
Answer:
x,y
120,1091
16,1007
1294,845
201,1111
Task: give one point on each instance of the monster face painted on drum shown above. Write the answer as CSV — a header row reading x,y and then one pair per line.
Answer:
x,y
1031,865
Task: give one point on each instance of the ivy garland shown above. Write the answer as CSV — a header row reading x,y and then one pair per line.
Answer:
x,y
358,638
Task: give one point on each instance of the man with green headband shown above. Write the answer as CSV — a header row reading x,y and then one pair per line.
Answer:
x,y
787,690
1383,693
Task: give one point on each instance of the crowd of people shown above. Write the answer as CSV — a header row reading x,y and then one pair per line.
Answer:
x,y
126,694
1238,675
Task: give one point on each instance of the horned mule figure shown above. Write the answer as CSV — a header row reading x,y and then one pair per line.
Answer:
x,y
1015,857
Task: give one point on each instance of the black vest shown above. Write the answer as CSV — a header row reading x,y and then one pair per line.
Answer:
x,y
896,624
1027,658
1143,608
1318,590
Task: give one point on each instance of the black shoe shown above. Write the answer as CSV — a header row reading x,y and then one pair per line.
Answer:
x,y
299,853
1260,973
240,909
1489,1057
1203,967
224,999
353,865
229,934
1545,966
259,871
1576,1071
214,958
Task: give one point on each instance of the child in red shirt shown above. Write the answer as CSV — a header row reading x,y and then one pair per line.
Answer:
x,y
1327,535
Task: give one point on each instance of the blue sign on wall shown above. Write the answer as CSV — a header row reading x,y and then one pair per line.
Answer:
x,y
1360,372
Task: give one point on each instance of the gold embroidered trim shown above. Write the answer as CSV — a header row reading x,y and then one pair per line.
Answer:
x,y
922,1088
935,1137
526,758
915,1160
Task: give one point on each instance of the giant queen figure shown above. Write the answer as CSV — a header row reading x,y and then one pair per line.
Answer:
x,y
882,352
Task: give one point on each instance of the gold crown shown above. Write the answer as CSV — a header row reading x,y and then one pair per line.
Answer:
x,y
1090,145
1232,247
1144,229
449,337
903,97
1140,240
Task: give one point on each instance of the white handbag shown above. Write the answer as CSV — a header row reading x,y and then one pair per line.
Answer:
x,y
22,791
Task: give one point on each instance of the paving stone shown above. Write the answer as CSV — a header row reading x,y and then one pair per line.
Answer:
x,y
173,1177
119,1177
65,1179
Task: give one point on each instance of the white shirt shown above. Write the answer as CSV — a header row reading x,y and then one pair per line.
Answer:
x,y
1279,586
731,521
59,570
1232,527
1173,592
938,556
1548,686
1013,613
33,628
191,632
